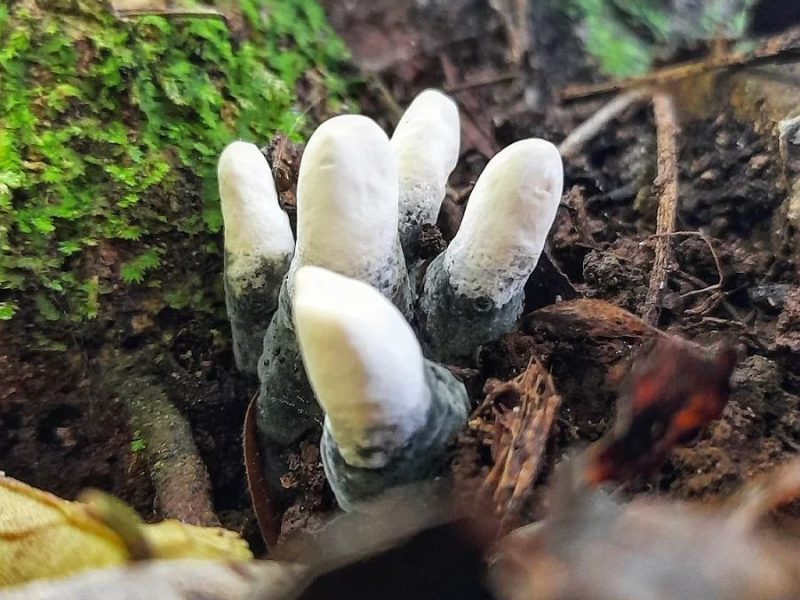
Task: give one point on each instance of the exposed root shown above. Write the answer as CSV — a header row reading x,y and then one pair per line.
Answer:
x,y
180,478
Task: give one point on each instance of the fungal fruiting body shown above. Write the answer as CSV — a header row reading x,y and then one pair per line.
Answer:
x,y
425,144
346,222
473,292
347,207
388,411
258,247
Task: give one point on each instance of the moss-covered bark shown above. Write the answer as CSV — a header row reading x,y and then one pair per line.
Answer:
x,y
110,131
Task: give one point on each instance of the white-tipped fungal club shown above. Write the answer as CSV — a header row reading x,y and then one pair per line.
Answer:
x,y
258,247
473,292
389,413
505,225
426,145
347,223
347,206
364,364
255,225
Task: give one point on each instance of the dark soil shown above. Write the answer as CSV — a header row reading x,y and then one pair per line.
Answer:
x,y
63,431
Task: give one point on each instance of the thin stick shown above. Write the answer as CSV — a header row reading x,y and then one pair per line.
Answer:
x,y
592,126
771,52
386,97
194,13
513,14
666,184
707,240
481,82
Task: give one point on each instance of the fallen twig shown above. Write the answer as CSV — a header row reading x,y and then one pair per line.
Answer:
x,y
377,86
514,15
491,79
707,240
777,49
188,13
666,185
472,113
592,126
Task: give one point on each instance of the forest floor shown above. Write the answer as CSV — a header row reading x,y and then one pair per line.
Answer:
x,y
63,427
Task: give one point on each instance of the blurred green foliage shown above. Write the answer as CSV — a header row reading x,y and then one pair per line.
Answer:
x,y
110,132
626,36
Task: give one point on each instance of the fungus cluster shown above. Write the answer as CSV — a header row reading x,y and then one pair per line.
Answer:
x,y
331,316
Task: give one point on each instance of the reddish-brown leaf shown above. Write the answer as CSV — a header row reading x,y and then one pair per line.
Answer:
x,y
667,400
265,507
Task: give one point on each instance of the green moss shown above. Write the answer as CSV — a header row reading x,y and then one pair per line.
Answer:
x,y
110,131
619,51
138,444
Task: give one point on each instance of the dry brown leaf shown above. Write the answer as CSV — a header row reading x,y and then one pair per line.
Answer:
x,y
593,318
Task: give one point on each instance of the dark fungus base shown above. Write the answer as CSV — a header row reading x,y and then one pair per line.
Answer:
x,y
452,326
286,405
420,459
251,309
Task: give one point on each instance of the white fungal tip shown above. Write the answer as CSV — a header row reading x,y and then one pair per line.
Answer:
x,y
505,225
364,364
426,145
255,225
347,199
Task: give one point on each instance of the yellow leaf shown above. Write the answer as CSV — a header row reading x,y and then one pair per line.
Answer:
x,y
173,539
43,536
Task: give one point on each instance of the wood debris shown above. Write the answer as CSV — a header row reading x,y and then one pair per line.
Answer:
x,y
523,411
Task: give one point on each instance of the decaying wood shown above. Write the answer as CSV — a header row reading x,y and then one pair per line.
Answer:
x,y
666,184
523,410
183,487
